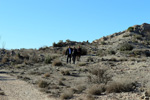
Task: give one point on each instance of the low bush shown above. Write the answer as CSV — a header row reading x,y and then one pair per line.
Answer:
x,y
89,97
125,47
112,59
66,95
117,87
65,72
147,93
2,93
82,64
47,75
103,43
138,37
90,59
111,52
19,66
84,51
101,52
59,44
61,83
34,58
80,89
5,60
48,60
57,63
130,29
127,35
96,90
100,76
43,84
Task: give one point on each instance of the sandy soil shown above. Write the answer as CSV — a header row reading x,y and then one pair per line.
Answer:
x,y
15,89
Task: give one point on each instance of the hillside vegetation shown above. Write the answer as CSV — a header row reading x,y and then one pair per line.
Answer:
x,y
115,67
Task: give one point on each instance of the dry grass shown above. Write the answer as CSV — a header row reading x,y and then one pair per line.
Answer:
x,y
48,60
61,83
125,47
19,65
89,97
46,75
43,84
117,87
5,59
147,93
57,63
34,58
66,95
96,89
82,64
80,89
2,93
101,75
65,72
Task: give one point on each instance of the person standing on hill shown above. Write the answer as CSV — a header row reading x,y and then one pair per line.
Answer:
x,y
79,50
74,54
69,54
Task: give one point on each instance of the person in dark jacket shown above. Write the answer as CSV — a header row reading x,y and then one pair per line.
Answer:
x,y
74,54
79,50
69,54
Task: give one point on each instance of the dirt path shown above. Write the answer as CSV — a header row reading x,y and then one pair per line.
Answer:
x,y
15,89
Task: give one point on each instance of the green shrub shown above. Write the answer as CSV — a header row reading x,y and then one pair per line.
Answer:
x,y
127,35
101,52
138,37
100,76
103,43
84,51
125,47
111,52
68,40
59,44
130,29
48,60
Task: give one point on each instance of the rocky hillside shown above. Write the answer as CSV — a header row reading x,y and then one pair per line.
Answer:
x,y
115,67
135,41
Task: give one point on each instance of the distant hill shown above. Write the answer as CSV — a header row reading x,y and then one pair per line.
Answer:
x,y
136,39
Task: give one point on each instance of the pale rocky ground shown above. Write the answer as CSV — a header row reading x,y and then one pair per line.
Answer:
x,y
15,89
134,70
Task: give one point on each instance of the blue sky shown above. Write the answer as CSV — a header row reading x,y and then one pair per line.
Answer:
x,y
37,23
